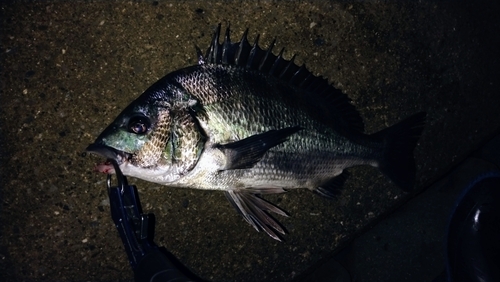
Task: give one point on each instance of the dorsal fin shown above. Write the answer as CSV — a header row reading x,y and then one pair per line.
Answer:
x,y
338,111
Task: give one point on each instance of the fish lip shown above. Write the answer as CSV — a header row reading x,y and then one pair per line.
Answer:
x,y
109,152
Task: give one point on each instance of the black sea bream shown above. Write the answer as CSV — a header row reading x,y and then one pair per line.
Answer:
x,y
247,122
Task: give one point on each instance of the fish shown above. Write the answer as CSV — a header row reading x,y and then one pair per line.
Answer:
x,y
250,123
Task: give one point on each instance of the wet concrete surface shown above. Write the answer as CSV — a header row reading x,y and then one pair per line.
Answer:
x,y
69,68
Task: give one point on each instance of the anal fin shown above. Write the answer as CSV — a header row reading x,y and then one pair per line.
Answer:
x,y
255,211
246,152
331,188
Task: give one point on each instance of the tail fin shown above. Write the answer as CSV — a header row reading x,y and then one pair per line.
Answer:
x,y
400,140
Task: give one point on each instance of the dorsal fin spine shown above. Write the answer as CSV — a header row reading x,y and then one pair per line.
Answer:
x,y
226,47
213,50
306,82
276,61
297,74
288,66
269,51
199,54
253,52
239,54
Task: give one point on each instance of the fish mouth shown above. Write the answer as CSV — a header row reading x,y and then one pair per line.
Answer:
x,y
109,152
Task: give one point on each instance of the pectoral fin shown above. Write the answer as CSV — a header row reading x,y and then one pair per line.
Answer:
x,y
246,152
254,211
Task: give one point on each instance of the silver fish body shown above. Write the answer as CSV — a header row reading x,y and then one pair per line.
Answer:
x,y
248,122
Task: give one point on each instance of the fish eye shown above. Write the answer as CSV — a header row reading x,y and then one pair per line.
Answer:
x,y
138,124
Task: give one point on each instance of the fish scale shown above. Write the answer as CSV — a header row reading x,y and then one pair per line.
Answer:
x,y
248,122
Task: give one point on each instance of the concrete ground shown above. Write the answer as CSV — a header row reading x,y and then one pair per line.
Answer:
x,y
68,68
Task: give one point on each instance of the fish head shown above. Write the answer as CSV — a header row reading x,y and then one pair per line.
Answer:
x,y
153,140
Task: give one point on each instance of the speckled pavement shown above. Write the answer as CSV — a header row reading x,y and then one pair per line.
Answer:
x,y
68,68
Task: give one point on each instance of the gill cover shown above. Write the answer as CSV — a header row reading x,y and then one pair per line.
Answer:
x,y
152,136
